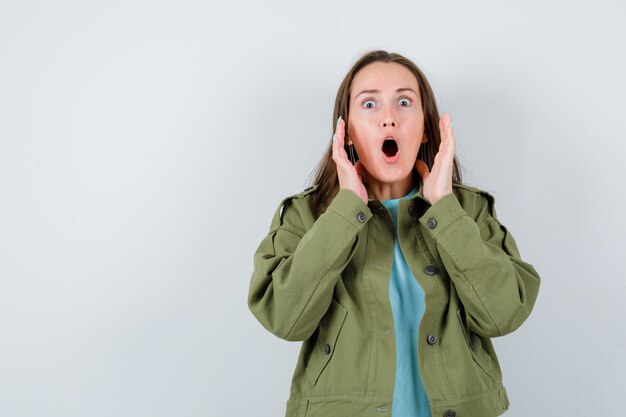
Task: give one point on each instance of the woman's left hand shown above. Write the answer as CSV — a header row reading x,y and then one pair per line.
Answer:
x,y
438,182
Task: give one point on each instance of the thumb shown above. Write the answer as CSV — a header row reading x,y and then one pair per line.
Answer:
x,y
422,168
360,170
358,167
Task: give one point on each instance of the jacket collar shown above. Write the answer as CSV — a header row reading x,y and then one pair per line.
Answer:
x,y
376,204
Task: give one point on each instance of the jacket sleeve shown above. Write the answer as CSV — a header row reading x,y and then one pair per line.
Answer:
x,y
295,272
496,287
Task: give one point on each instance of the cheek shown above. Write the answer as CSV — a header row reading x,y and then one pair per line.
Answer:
x,y
414,121
362,139
358,135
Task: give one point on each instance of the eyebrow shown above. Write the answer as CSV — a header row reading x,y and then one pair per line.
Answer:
x,y
399,90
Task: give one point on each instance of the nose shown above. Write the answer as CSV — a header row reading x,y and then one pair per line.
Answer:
x,y
388,119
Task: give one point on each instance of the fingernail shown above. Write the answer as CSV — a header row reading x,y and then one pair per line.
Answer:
x,y
338,119
334,137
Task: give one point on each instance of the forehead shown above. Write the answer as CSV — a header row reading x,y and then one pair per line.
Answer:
x,y
383,76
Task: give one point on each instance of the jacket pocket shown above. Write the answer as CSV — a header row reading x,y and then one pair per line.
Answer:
x,y
482,364
328,333
296,407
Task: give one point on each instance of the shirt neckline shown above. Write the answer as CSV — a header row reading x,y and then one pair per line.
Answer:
x,y
410,194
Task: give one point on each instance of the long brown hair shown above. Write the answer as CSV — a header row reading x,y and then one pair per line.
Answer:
x,y
326,171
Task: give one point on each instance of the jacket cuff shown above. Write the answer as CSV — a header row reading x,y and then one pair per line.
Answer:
x,y
351,208
442,214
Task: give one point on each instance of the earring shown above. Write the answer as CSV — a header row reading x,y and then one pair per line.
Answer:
x,y
351,150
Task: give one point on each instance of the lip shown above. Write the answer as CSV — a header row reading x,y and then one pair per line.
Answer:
x,y
392,159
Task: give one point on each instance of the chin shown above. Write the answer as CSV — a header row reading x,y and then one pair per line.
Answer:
x,y
391,174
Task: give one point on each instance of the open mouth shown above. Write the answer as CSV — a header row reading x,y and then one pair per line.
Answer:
x,y
390,147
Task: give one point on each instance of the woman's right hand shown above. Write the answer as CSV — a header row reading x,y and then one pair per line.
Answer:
x,y
350,176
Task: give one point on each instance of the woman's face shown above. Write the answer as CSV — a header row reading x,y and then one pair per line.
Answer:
x,y
394,111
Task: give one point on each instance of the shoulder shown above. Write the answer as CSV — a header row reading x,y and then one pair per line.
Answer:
x,y
306,192
302,195
293,211
477,202
467,189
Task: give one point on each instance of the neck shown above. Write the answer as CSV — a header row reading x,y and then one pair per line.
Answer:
x,y
388,190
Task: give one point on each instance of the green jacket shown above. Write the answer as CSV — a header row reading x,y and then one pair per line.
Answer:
x,y
326,283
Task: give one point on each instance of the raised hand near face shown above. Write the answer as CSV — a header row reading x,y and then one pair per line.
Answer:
x,y
350,176
438,182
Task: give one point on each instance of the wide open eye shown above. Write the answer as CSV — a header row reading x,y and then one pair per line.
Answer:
x,y
405,100
368,101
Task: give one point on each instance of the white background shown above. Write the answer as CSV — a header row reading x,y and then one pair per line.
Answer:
x,y
144,146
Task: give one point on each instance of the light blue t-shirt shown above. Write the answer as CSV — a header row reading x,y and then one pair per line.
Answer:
x,y
407,304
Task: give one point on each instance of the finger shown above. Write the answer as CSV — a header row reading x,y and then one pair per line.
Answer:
x,y
450,139
339,132
443,133
339,153
440,129
448,126
334,146
336,150
444,118
340,135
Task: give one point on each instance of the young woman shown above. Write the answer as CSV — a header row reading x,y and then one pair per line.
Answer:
x,y
393,274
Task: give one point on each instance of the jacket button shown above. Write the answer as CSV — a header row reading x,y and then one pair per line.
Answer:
x,y
432,339
432,223
449,413
327,348
430,270
360,217
411,210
